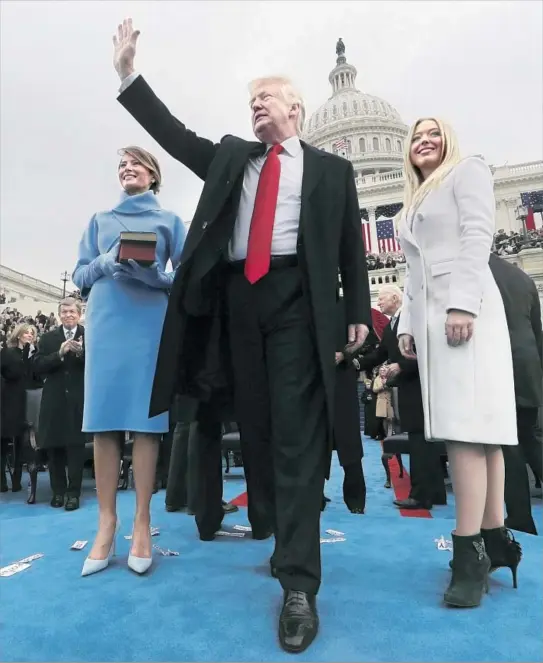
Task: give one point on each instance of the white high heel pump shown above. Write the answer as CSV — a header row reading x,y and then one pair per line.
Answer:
x,y
139,565
91,566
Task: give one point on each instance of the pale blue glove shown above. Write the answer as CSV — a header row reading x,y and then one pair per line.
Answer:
x,y
107,262
151,276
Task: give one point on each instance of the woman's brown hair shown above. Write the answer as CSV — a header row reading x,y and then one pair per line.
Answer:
x,y
146,159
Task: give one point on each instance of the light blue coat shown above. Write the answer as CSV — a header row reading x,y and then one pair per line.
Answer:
x,y
124,318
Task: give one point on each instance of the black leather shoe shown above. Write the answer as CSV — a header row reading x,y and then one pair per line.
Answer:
x,y
410,503
299,622
229,508
173,507
58,501
72,504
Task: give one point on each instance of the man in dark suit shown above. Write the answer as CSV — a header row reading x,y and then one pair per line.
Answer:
x,y
523,312
257,286
60,360
427,481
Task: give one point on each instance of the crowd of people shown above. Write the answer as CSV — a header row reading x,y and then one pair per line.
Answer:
x,y
384,260
10,318
506,244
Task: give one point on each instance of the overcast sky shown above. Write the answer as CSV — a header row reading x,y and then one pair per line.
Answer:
x,y
478,64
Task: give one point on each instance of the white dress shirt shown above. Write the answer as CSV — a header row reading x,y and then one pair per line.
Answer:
x,y
289,198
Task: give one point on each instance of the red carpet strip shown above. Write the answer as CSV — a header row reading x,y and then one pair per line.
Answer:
x,y
240,500
401,492
402,488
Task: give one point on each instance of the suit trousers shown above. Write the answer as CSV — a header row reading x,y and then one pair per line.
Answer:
x,y
182,489
206,466
58,459
281,410
427,480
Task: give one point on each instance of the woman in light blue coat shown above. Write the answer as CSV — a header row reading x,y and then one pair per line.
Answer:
x,y
126,305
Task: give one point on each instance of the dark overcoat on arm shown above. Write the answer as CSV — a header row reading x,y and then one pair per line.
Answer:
x,y
61,412
347,437
523,313
194,352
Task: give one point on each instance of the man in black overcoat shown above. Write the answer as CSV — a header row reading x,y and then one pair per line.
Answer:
x,y
256,285
60,361
523,313
427,480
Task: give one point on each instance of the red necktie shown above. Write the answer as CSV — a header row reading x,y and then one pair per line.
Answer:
x,y
258,259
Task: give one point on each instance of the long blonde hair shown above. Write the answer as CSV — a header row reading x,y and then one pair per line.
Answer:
x,y
20,329
416,188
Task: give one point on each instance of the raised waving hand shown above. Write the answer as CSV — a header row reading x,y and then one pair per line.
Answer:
x,y
125,48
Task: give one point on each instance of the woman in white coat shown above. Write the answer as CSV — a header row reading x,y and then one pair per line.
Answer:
x,y
453,322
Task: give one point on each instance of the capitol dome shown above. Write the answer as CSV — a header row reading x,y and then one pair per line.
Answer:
x,y
365,129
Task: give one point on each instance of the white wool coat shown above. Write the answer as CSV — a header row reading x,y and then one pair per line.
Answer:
x,y
468,390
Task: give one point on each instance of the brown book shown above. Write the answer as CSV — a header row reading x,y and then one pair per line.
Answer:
x,y
138,246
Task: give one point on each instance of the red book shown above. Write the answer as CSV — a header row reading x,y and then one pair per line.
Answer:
x,y
138,246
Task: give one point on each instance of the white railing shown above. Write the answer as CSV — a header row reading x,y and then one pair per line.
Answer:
x,y
380,178
528,168
7,274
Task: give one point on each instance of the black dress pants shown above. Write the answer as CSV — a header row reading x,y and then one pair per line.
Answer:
x,y
177,487
58,459
281,410
427,481
206,466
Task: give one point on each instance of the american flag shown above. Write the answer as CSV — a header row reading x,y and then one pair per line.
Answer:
x,y
366,235
340,145
386,239
532,199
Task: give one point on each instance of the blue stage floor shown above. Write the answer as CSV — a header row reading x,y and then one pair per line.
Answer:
x,y
381,598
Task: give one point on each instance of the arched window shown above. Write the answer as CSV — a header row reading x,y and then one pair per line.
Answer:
x,y
345,108
388,145
399,146
355,106
362,145
376,144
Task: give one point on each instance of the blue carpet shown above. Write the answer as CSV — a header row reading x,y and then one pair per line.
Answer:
x,y
380,599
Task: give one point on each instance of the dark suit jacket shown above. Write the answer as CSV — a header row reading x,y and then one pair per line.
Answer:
x,y
61,412
523,313
17,377
408,382
193,356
